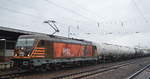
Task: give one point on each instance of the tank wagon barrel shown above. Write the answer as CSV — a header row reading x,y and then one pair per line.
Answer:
x,y
111,51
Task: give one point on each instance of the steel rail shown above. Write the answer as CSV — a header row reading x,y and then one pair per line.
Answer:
x,y
12,74
82,74
138,72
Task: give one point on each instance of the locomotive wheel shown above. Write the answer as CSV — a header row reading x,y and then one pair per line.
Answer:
x,y
57,68
48,67
43,68
37,68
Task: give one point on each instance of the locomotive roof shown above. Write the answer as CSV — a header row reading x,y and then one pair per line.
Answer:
x,y
58,39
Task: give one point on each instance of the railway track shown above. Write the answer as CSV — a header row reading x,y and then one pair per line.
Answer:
x,y
12,74
92,72
133,76
15,73
76,73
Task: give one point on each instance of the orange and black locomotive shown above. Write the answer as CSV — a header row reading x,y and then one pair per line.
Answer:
x,y
44,52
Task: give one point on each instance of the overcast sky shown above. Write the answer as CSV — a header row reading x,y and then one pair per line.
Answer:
x,y
112,21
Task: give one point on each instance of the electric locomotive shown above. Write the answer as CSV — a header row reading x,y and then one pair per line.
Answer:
x,y
45,52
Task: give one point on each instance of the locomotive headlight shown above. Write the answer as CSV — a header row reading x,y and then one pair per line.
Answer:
x,y
15,54
28,55
22,48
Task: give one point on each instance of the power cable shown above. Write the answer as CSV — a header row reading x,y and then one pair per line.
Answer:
x,y
19,12
67,9
30,7
139,10
26,6
85,9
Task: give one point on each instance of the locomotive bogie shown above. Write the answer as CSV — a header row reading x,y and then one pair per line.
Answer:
x,y
31,64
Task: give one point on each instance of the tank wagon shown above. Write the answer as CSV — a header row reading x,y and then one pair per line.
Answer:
x,y
43,52
111,52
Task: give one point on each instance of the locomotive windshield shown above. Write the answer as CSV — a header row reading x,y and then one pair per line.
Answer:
x,y
24,46
25,42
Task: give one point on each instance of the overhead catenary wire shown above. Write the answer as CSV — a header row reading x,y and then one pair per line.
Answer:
x,y
83,8
87,10
69,10
19,12
139,10
42,17
22,13
39,17
30,7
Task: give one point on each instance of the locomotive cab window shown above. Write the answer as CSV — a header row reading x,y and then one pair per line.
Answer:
x,y
25,42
